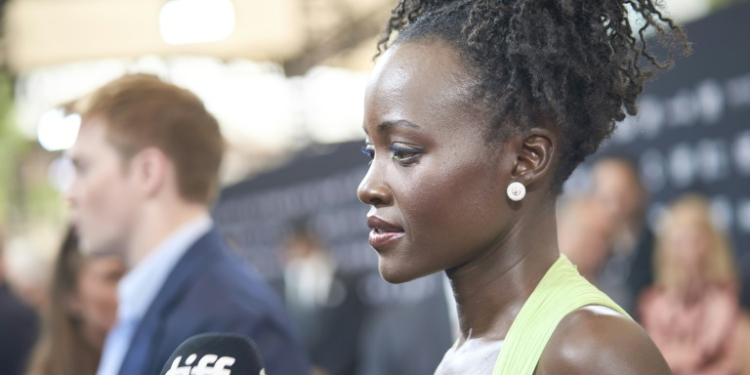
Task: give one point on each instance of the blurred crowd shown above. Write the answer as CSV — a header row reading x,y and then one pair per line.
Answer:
x,y
679,281
678,278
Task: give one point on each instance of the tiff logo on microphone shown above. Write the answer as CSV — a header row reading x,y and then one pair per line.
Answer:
x,y
209,364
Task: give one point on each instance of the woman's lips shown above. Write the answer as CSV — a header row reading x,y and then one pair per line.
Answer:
x,y
383,232
379,239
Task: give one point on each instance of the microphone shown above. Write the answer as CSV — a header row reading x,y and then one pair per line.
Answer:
x,y
215,354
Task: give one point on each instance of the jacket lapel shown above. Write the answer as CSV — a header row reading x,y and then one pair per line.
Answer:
x,y
147,338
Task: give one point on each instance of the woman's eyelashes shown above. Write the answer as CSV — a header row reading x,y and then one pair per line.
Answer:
x,y
405,154
400,153
369,150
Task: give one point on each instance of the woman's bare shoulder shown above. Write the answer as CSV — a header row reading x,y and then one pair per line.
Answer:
x,y
597,340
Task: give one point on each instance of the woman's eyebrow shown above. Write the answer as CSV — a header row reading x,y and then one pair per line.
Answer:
x,y
385,125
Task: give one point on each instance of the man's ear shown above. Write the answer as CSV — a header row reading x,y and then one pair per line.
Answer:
x,y
536,150
150,168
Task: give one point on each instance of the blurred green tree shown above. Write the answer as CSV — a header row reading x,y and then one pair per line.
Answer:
x,y
12,147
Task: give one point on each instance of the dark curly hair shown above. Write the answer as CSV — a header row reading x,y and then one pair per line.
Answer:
x,y
574,65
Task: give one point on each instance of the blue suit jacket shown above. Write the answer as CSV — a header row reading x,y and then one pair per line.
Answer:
x,y
212,290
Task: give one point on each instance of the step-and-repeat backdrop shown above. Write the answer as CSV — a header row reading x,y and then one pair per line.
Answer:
x,y
692,134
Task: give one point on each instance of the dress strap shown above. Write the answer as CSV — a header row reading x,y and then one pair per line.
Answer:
x,y
561,291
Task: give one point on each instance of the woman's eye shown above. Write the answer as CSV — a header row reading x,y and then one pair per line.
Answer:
x,y
404,154
369,150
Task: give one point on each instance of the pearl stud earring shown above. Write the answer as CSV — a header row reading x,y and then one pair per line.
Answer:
x,y
516,191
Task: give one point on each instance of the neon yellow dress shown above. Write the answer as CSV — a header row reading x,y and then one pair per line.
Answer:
x,y
561,291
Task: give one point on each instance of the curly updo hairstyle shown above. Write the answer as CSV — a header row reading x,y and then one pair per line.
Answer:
x,y
574,65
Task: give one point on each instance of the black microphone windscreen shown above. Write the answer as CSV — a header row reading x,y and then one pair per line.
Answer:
x,y
215,354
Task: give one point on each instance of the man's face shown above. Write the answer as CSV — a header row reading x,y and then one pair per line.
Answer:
x,y
617,190
104,196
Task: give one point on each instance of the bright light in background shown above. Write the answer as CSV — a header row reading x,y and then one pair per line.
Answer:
x,y
685,11
333,104
682,11
196,21
61,173
57,131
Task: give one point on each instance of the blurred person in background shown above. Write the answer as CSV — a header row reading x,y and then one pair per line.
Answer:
x,y
323,303
82,307
692,312
147,162
583,235
410,339
27,271
618,189
18,326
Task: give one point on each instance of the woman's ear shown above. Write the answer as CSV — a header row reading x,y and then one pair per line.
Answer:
x,y
535,155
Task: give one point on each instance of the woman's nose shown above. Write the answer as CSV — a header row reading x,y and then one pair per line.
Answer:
x,y
372,190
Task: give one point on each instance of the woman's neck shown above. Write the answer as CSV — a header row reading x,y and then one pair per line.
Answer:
x,y
491,289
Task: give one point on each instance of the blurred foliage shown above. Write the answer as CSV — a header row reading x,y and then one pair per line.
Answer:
x,y
26,196
12,146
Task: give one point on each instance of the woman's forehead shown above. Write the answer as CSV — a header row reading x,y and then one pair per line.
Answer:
x,y
418,78
424,67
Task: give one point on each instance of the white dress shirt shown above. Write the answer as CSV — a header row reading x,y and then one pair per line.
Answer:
x,y
137,290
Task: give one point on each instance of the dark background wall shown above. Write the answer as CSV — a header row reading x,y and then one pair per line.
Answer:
x,y
692,134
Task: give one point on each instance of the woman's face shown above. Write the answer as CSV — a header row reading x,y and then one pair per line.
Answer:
x,y
436,186
96,298
688,245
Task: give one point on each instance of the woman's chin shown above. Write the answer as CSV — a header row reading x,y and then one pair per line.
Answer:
x,y
396,274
